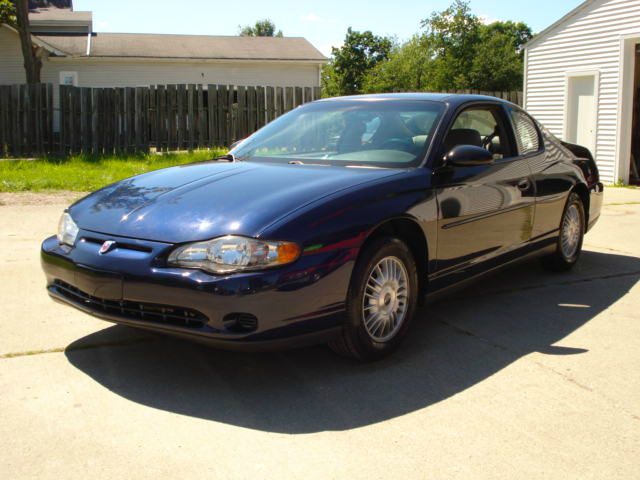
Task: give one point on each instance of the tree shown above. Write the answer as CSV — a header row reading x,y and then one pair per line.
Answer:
x,y
453,35
349,65
16,14
262,28
456,51
407,69
499,56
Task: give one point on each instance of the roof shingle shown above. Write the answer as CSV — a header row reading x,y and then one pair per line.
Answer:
x,y
203,47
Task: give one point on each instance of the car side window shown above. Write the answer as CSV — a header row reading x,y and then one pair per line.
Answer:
x,y
527,136
480,127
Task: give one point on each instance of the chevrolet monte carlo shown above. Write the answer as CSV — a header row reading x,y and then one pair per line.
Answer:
x,y
330,224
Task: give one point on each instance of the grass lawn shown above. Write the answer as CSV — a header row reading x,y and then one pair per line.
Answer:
x,y
87,173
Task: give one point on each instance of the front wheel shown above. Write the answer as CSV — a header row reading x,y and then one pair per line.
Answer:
x,y
569,247
381,301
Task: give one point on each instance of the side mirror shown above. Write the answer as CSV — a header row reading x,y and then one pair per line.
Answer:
x,y
468,156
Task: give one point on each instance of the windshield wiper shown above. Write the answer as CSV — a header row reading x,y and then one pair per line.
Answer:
x,y
299,162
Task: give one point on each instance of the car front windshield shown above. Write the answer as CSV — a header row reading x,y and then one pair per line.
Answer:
x,y
375,133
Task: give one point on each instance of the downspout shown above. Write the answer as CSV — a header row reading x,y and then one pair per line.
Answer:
x,y
89,44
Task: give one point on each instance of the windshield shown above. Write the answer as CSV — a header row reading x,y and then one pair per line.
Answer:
x,y
379,133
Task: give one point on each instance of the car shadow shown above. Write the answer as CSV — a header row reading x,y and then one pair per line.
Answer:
x,y
468,337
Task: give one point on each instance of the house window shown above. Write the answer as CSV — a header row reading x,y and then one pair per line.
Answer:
x,y
69,78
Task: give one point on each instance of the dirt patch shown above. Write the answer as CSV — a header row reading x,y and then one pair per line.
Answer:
x,y
39,198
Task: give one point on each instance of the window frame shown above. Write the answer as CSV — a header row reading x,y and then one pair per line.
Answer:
x,y
72,74
502,119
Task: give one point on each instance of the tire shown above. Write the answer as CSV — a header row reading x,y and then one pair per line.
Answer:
x,y
378,320
569,246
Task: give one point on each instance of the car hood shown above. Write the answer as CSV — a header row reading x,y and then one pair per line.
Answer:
x,y
207,200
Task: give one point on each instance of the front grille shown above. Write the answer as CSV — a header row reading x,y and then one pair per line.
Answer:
x,y
161,314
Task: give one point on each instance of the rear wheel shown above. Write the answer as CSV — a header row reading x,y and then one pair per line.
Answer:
x,y
381,301
569,247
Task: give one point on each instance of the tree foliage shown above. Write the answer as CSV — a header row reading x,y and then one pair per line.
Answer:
x,y
262,28
349,65
407,68
454,50
7,12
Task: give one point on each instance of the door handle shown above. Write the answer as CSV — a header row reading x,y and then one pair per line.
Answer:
x,y
524,185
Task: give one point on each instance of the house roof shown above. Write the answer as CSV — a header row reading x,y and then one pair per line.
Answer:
x,y
197,47
543,34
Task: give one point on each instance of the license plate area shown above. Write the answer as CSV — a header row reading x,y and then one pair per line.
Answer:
x,y
99,284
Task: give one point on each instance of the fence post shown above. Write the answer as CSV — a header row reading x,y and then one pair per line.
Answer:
x,y
212,112
202,119
4,105
271,105
262,107
191,126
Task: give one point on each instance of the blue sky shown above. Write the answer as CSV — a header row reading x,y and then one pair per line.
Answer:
x,y
323,22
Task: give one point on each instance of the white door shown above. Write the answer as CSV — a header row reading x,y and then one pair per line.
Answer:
x,y
581,111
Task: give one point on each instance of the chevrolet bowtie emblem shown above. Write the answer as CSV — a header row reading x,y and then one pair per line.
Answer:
x,y
107,247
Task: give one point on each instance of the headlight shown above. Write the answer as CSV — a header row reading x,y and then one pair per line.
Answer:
x,y
234,254
67,230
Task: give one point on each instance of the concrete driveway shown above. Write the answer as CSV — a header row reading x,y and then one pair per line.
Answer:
x,y
522,375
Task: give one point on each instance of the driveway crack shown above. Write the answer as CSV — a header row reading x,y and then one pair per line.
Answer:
x,y
89,346
563,376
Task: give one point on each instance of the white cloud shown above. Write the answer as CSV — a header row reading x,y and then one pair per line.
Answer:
x,y
326,48
102,25
311,17
486,19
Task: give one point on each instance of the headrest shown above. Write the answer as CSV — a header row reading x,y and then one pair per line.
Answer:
x,y
462,136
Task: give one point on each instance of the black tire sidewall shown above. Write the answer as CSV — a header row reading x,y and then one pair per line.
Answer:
x,y
371,255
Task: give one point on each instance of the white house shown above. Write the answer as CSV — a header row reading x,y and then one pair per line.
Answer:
x,y
582,76
75,54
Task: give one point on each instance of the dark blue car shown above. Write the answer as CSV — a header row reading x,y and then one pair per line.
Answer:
x,y
330,224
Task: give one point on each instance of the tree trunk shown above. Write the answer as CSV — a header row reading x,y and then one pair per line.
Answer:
x,y
32,62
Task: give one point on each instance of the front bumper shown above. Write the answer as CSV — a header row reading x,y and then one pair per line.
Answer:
x,y
299,304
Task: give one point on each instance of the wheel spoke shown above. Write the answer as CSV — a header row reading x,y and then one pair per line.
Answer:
x,y
384,305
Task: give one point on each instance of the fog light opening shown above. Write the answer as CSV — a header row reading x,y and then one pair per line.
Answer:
x,y
240,322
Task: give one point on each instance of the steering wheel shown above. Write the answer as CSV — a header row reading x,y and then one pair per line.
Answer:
x,y
402,144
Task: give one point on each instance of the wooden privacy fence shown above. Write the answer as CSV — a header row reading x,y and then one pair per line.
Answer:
x,y
126,120
26,120
167,118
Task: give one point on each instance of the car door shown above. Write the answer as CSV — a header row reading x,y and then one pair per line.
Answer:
x,y
484,210
547,163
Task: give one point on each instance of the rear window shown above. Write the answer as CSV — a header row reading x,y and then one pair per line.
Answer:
x,y
527,135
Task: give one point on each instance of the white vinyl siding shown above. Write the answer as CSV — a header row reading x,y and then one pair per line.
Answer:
x,y
589,41
132,73
11,62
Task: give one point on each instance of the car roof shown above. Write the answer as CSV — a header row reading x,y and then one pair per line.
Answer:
x,y
450,98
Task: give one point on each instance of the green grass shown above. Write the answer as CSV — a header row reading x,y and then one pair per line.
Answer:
x,y
85,173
